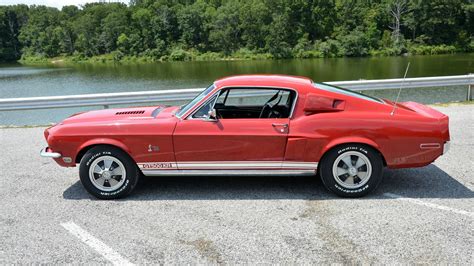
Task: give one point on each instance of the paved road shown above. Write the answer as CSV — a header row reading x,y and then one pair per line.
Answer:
x,y
423,215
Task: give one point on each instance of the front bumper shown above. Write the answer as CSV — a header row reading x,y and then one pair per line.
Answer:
x,y
47,152
446,146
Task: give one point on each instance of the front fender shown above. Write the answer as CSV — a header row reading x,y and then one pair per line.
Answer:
x,y
102,141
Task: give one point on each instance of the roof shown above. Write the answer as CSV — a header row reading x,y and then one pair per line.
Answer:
x,y
263,80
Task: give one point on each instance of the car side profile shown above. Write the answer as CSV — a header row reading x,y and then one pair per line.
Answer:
x,y
252,125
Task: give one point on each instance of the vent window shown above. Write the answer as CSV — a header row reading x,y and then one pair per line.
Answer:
x,y
130,112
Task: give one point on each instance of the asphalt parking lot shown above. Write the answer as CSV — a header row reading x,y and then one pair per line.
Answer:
x,y
423,215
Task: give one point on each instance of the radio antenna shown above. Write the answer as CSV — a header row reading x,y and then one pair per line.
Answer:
x,y
400,89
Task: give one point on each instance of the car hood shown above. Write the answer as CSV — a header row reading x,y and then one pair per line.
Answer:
x,y
121,114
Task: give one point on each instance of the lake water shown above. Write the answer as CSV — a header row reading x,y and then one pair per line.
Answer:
x,y
27,81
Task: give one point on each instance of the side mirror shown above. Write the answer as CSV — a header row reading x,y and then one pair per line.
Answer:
x,y
211,116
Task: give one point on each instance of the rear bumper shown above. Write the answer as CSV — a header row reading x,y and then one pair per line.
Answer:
x,y
48,153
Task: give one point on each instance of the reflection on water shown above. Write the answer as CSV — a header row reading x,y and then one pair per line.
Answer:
x,y
20,81
11,72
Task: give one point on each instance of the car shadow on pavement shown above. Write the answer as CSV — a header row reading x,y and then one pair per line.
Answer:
x,y
426,182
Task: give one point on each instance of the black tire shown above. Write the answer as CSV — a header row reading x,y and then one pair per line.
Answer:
x,y
127,176
364,179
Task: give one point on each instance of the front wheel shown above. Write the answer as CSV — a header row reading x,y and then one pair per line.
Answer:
x,y
108,173
352,170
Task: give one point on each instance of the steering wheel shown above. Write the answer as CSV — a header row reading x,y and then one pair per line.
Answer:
x,y
269,105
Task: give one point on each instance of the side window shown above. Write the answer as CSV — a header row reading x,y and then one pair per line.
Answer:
x,y
235,103
247,97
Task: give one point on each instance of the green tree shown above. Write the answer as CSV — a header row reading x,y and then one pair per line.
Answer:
x,y
185,29
280,32
115,23
12,18
193,24
255,17
438,20
40,34
225,33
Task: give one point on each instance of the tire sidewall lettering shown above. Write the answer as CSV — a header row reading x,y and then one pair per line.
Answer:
x,y
357,190
95,156
123,187
351,148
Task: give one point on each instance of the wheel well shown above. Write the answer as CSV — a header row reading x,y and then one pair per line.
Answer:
x,y
87,148
358,143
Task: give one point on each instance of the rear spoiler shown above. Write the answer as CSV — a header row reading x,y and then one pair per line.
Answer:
x,y
424,110
427,111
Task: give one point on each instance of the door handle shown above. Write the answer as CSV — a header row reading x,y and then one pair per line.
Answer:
x,y
283,127
280,125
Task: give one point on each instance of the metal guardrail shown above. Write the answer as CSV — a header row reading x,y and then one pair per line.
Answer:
x,y
384,84
106,99
99,99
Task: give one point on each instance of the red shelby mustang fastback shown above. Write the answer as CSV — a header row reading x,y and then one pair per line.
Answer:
x,y
252,125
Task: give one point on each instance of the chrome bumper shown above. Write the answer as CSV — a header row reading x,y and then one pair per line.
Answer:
x,y
446,147
45,152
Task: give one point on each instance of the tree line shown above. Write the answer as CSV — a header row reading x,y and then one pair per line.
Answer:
x,y
214,29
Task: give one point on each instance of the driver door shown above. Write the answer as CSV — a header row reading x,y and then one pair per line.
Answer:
x,y
237,139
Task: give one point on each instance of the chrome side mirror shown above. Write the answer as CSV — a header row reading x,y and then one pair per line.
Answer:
x,y
212,115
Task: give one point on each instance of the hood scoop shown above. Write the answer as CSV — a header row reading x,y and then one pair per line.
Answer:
x,y
138,112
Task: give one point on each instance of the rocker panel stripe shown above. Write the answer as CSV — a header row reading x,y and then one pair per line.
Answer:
x,y
233,172
226,165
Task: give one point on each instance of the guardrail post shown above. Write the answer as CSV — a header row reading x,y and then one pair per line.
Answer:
x,y
469,92
469,88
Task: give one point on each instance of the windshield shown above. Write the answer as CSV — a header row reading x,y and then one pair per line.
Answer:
x,y
185,108
335,89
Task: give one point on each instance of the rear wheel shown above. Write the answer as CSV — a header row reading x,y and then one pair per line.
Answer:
x,y
108,173
351,170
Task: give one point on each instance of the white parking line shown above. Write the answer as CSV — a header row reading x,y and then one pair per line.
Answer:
x,y
99,246
427,204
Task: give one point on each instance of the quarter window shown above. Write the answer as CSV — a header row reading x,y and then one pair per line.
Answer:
x,y
331,88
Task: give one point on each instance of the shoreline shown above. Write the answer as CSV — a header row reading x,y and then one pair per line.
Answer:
x,y
193,56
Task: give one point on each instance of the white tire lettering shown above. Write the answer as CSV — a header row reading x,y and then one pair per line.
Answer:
x,y
352,191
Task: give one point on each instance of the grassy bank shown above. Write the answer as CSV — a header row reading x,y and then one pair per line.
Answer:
x,y
242,54
117,56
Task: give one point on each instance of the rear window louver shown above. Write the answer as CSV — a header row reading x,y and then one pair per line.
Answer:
x,y
130,113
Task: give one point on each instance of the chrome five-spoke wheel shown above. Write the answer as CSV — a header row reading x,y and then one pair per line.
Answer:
x,y
107,173
352,169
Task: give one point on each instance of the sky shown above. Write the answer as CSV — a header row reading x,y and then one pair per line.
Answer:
x,y
53,3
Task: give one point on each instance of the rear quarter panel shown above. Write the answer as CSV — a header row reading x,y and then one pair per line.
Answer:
x,y
397,137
